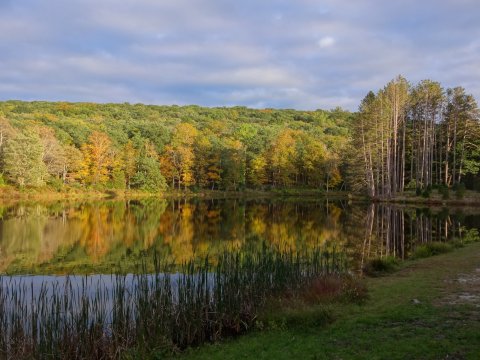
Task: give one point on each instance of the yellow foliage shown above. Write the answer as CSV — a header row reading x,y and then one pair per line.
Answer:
x,y
97,159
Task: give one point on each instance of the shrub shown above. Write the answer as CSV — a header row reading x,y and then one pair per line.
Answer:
x,y
378,266
55,183
354,291
444,191
470,236
460,191
431,249
426,193
312,317
324,288
411,185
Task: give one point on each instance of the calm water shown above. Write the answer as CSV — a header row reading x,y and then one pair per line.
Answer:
x,y
112,236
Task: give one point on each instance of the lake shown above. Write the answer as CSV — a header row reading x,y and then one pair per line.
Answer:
x,y
150,284
101,237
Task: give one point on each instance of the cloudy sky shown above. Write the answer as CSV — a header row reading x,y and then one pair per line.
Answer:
x,y
304,54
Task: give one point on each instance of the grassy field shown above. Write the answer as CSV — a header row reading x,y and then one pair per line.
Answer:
x,y
428,309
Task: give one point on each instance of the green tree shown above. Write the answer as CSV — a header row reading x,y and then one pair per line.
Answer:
x,y
129,162
148,176
460,134
233,164
54,155
23,163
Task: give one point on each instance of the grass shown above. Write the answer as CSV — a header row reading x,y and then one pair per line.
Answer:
x,y
289,304
149,314
404,318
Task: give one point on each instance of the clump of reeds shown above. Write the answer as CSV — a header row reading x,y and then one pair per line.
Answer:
x,y
151,312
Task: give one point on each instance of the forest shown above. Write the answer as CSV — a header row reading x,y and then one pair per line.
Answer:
x,y
415,137
155,148
402,137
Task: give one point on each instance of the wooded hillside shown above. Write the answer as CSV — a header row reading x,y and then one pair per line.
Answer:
x,y
405,136
123,146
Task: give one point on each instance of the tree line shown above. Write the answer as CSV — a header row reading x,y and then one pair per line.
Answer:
x,y
415,136
405,136
155,148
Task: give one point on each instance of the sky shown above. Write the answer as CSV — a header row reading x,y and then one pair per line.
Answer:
x,y
301,54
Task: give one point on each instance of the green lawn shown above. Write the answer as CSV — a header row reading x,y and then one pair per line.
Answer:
x,y
388,326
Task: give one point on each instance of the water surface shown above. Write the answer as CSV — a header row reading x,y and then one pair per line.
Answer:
x,y
113,236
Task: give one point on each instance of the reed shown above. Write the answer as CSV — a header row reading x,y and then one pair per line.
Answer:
x,y
106,317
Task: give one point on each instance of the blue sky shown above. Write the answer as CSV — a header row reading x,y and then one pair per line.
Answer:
x,y
302,54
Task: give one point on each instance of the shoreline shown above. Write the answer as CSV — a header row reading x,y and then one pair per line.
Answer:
x,y
470,198
10,194
418,311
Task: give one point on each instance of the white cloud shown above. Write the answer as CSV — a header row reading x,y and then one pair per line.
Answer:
x,y
230,52
326,42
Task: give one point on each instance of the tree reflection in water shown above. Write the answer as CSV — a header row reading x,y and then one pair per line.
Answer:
x,y
112,236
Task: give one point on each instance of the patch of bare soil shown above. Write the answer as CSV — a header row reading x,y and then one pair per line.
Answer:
x,y
463,290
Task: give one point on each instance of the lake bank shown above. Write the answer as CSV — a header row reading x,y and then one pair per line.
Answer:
x,y
428,309
435,199
8,193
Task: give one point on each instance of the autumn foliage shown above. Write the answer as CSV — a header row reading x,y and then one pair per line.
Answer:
x,y
152,148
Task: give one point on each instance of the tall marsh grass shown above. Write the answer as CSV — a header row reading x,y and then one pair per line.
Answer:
x,y
107,317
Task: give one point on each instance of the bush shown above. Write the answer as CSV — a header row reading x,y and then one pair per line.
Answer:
x,y
378,266
426,193
444,191
460,191
411,185
323,289
470,236
55,183
354,291
290,310
431,249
